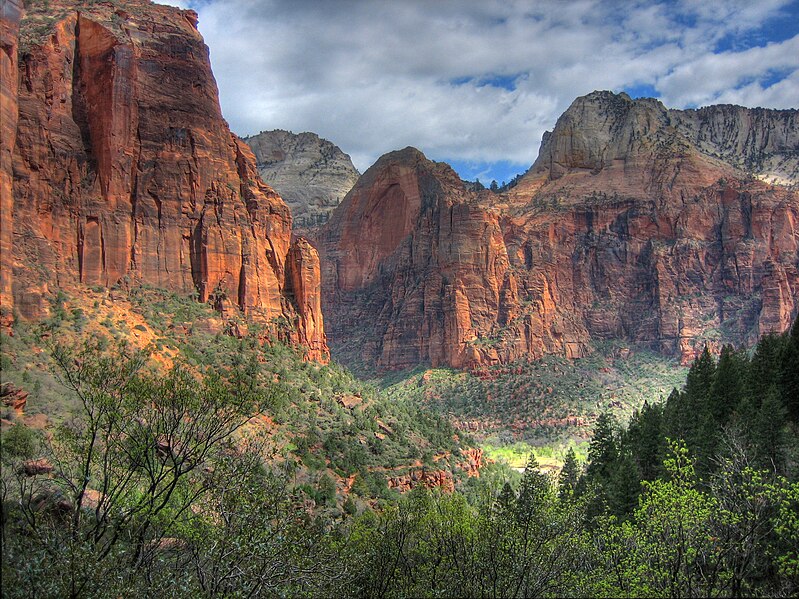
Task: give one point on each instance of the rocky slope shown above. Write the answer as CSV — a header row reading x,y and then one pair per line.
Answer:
x,y
124,171
625,227
311,174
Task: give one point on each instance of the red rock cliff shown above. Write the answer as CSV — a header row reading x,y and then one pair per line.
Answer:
x,y
623,228
9,37
124,170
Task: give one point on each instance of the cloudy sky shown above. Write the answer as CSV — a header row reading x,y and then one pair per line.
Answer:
x,y
476,82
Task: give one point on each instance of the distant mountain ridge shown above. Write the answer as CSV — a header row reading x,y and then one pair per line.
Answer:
x,y
604,127
311,174
674,229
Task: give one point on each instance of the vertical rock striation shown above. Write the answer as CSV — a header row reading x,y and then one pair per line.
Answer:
x,y
10,15
124,170
635,222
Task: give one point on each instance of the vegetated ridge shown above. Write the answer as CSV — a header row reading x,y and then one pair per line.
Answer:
x,y
136,220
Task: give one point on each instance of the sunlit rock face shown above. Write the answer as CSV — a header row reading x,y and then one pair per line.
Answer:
x,y
635,222
125,172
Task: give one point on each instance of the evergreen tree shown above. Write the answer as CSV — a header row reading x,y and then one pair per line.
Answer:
x,y
569,476
533,491
506,501
624,486
764,369
603,450
645,441
700,432
676,416
769,435
789,373
699,382
729,385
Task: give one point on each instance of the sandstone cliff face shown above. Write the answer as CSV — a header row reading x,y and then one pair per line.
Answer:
x,y
124,171
9,38
416,269
760,141
623,228
311,174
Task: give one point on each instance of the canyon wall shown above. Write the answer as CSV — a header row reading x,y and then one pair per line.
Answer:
x,y
634,223
10,16
125,172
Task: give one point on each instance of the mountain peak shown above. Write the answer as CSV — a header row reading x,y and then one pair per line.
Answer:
x,y
311,174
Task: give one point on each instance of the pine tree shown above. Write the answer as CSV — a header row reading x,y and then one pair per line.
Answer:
x,y
729,385
789,373
506,500
699,382
645,440
625,486
701,432
603,450
676,416
569,476
764,369
533,491
769,433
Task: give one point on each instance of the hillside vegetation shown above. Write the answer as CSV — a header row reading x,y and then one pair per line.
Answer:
x,y
221,475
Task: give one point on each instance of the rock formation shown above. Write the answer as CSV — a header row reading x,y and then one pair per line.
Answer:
x,y
635,222
125,172
423,477
13,397
9,42
311,174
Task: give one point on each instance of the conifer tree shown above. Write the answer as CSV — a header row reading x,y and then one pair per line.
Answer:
x,y
603,450
646,441
764,369
729,385
569,476
789,373
768,431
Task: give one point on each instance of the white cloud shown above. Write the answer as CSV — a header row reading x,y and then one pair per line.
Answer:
x,y
184,4
710,76
374,76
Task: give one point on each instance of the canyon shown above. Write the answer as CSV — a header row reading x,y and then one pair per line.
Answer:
x,y
672,229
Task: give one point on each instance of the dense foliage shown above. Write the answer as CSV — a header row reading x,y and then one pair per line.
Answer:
x,y
736,408
159,485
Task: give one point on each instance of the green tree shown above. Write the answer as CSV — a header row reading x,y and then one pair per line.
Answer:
x,y
645,440
764,369
603,450
124,474
789,373
665,549
729,384
569,476
769,433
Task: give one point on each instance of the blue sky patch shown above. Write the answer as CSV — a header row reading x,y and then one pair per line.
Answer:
x,y
500,171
